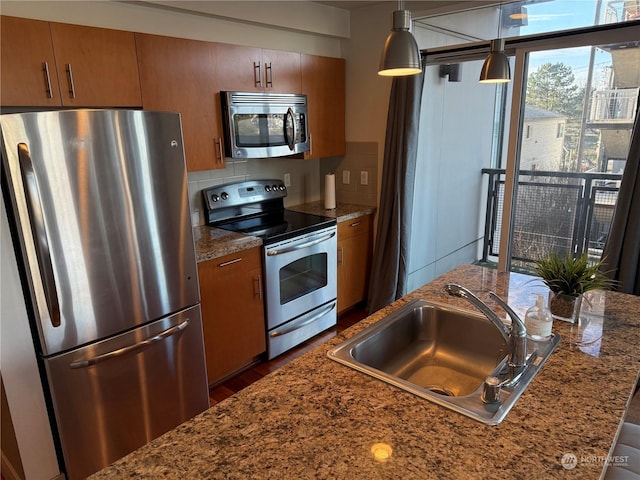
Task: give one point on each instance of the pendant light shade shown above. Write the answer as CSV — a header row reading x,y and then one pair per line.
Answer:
x,y
400,55
496,67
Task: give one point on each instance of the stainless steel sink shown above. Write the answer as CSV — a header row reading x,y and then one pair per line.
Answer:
x,y
442,354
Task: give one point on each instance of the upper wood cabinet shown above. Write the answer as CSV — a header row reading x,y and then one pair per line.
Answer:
x,y
96,66
93,67
250,69
28,75
323,80
179,75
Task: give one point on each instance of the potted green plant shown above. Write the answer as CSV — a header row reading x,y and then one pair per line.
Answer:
x,y
568,278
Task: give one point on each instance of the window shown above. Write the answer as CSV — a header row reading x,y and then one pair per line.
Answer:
x,y
562,136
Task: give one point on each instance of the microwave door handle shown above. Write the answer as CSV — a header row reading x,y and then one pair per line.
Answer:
x,y
43,252
290,141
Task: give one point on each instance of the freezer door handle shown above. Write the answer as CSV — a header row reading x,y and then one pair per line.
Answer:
x,y
130,348
34,205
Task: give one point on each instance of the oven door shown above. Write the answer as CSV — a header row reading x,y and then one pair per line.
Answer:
x,y
301,274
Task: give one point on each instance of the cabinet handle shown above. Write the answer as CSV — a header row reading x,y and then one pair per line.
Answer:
x,y
257,76
257,286
230,262
47,80
220,152
340,255
268,75
72,88
355,224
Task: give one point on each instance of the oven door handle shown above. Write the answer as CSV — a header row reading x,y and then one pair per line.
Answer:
x,y
303,323
272,253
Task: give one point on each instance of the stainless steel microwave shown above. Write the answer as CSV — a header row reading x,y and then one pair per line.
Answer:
x,y
261,125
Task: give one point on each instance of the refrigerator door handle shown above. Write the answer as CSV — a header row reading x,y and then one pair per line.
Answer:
x,y
43,253
130,348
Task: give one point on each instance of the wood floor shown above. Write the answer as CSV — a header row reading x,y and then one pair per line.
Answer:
x,y
257,371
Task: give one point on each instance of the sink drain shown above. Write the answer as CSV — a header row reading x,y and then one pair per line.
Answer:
x,y
439,390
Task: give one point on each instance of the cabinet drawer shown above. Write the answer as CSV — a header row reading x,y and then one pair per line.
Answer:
x,y
237,261
355,226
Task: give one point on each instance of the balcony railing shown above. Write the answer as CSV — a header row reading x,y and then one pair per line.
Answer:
x,y
562,212
622,11
614,106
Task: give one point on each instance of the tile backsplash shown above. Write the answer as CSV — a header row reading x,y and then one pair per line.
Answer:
x,y
356,174
305,186
307,177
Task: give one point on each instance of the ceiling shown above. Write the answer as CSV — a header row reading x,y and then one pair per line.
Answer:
x,y
355,4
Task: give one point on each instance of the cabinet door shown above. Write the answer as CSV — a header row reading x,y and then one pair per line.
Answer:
x,y
232,312
28,75
240,68
281,71
248,69
178,75
97,67
354,261
323,80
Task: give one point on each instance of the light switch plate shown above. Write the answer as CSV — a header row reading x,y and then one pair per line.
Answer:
x,y
364,177
287,179
346,177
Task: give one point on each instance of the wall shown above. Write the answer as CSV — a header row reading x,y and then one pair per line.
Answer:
x,y
456,132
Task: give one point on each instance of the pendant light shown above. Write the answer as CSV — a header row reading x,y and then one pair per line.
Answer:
x,y
496,67
400,55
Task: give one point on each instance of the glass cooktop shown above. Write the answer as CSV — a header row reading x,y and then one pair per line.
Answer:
x,y
280,225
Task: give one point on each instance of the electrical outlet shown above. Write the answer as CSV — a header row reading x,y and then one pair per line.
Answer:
x,y
287,179
346,177
364,177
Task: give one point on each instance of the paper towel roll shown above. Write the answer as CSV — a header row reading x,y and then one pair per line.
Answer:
x,y
329,191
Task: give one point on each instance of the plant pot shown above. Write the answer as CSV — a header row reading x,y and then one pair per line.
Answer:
x,y
565,307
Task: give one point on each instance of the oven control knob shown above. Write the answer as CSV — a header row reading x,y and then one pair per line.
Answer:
x,y
267,188
274,187
215,197
224,195
282,187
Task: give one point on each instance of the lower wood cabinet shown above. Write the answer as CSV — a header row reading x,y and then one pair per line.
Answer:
x,y
355,244
232,312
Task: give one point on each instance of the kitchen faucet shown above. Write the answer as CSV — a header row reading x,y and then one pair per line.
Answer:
x,y
515,337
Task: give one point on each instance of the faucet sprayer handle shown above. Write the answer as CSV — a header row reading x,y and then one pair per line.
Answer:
x,y
517,325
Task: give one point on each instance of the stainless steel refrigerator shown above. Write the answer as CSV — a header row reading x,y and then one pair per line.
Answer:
x,y
101,221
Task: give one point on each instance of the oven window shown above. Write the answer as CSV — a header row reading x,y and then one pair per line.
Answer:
x,y
302,277
260,130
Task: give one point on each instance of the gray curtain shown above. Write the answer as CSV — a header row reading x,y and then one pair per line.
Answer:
x,y
389,268
622,248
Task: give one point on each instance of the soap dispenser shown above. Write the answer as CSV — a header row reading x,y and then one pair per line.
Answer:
x,y
538,320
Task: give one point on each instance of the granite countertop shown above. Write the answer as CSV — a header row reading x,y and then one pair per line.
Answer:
x,y
213,242
315,418
342,213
